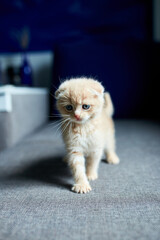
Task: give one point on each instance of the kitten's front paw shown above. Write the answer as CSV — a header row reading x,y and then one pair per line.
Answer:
x,y
81,188
92,176
112,158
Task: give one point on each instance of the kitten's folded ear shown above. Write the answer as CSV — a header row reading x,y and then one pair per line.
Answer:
x,y
108,104
59,93
97,88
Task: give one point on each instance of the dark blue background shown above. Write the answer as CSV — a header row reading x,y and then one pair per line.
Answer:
x,y
55,21
108,39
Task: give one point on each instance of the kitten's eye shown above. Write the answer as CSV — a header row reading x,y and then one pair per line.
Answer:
x,y
69,107
85,106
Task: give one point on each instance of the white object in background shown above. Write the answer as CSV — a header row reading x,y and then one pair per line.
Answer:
x,y
22,111
7,91
5,102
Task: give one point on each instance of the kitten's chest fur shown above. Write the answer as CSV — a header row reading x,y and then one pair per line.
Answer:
x,y
82,137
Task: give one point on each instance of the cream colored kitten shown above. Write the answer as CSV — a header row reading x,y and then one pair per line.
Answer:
x,y
88,129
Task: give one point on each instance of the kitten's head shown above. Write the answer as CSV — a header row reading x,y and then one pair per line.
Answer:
x,y
80,99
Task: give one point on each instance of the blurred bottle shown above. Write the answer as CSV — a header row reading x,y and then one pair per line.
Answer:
x,y
26,72
23,37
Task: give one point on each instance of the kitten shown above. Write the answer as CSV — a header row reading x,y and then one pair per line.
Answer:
x,y
87,129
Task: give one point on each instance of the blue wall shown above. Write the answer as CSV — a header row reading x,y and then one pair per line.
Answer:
x,y
51,22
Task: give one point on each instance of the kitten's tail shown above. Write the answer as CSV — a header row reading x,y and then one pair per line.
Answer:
x,y
108,105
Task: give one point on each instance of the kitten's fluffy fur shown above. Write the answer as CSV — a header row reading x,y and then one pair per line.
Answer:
x,y
87,133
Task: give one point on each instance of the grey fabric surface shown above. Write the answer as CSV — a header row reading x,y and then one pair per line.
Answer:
x,y
36,202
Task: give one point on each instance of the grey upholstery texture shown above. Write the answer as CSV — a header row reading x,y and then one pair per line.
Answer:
x,y
29,113
36,202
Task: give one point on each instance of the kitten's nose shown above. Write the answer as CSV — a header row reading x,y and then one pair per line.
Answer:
x,y
77,116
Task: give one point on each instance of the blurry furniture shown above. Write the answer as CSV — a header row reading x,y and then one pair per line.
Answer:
x,y
22,110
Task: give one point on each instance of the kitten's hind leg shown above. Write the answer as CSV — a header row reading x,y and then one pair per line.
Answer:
x,y
92,163
111,156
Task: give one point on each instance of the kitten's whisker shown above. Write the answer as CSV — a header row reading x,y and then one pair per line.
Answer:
x,y
59,79
61,119
70,128
52,95
68,125
58,127
56,123
57,130
61,115
53,125
65,127
61,123
54,86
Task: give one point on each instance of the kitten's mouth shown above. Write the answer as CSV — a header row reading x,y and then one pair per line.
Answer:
x,y
79,121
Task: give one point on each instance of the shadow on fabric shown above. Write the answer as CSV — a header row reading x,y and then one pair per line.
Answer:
x,y
51,171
